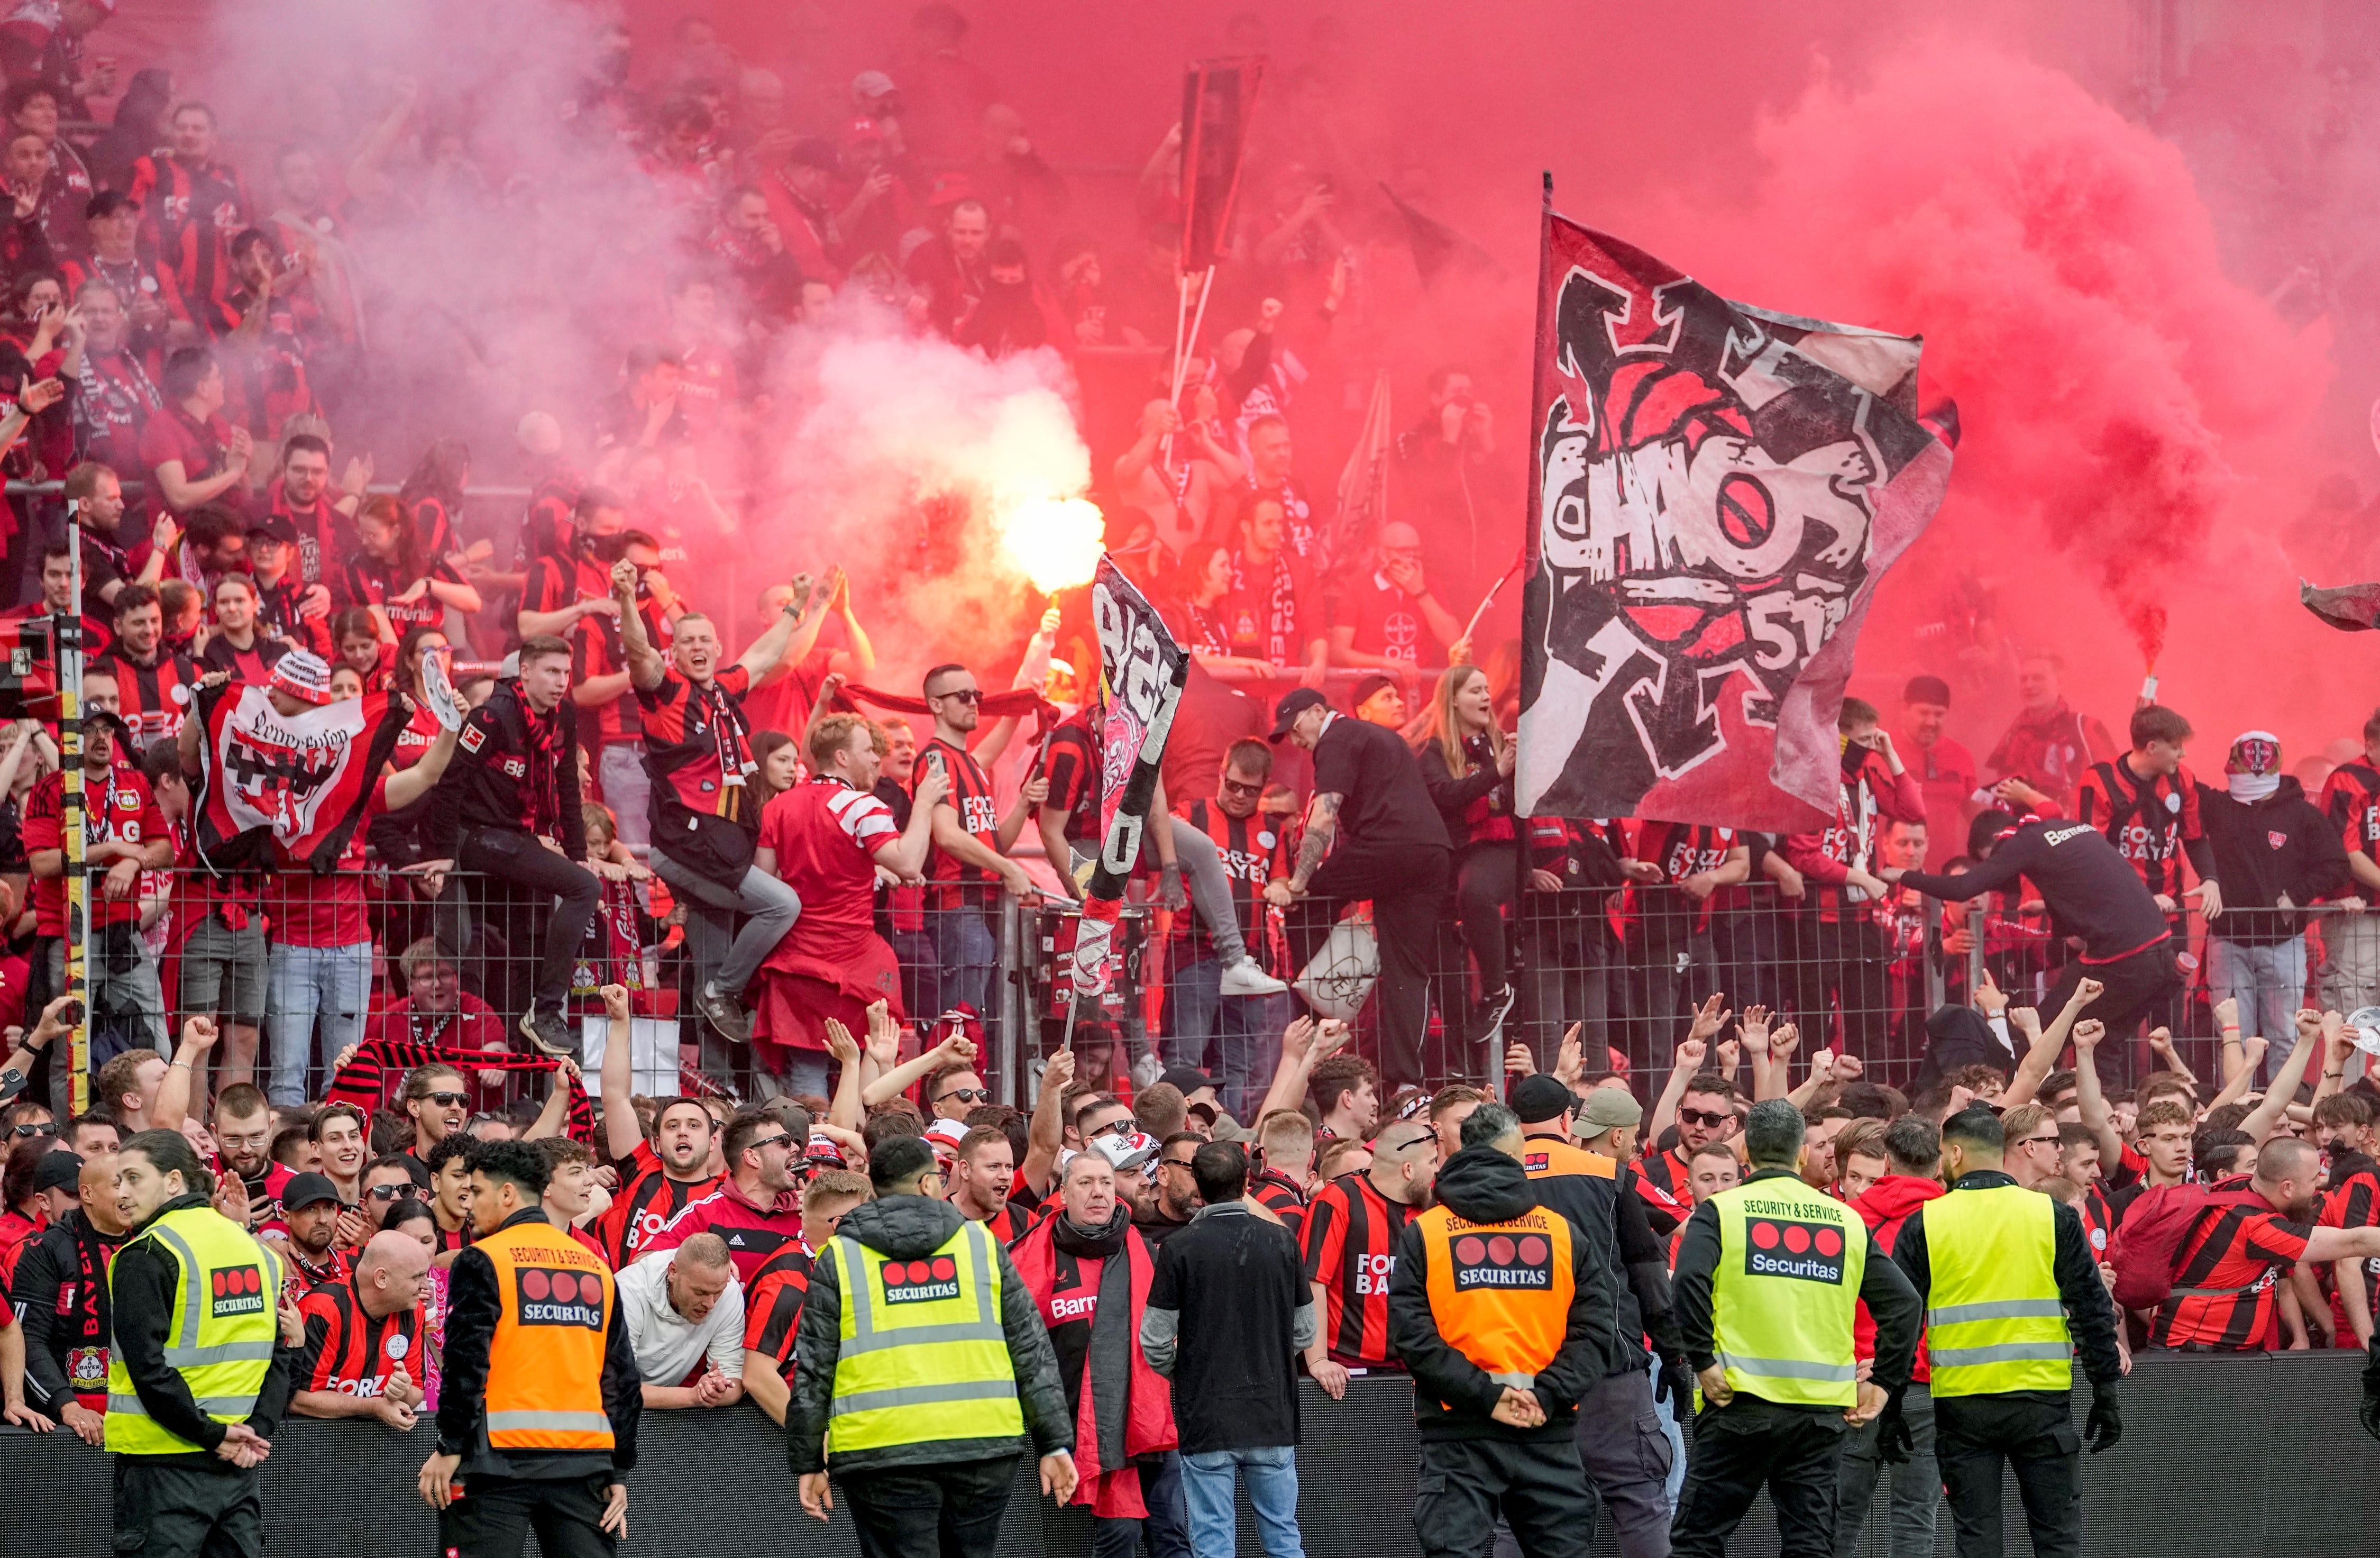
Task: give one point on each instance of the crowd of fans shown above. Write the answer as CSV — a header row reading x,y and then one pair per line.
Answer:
x,y
774,895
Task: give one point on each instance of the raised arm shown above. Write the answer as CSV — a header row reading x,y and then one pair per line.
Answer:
x,y
764,654
622,1133
2266,1117
646,667
958,1047
843,1108
1045,1137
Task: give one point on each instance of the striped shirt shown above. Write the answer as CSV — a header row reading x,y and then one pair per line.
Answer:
x,y
349,1352
826,836
188,216
1284,1198
2227,1280
1350,1241
772,1305
956,883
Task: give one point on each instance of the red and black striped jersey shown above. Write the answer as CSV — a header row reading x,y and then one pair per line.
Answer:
x,y
1681,850
1254,850
189,217
2227,1279
1285,1198
772,1305
312,1278
644,1206
152,698
2352,1201
2151,821
956,883
1010,1223
1070,760
698,749
349,1352
2099,1217
1351,1241
2350,799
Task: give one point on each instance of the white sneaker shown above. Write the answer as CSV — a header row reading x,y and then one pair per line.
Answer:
x,y
1248,978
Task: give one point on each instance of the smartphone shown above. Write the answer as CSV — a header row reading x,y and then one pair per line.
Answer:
x,y
934,764
72,1015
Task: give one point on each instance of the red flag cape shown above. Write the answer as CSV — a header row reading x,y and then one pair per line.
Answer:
x,y
300,780
2350,608
1717,491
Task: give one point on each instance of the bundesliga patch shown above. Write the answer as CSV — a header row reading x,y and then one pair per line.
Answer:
x,y
919,1281
1807,1251
550,1298
473,738
1501,1261
239,1290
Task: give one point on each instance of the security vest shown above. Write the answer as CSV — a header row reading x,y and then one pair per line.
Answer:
x,y
545,1362
1785,1292
923,1355
1500,1292
1994,1320
226,1320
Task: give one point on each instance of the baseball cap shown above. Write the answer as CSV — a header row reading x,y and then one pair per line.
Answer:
x,y
1927,690
1189,1078
274,527
1128,1151
1294,703
58,1170
1225,1128
1370,686
863,129
1538,1099
822,1151
302,675
305,1189
1607,1109
945,1134
872,83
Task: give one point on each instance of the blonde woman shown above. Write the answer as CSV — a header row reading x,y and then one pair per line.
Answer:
x,y
1468,763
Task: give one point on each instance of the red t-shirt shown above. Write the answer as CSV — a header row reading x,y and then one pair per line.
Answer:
x,y
827,836
785,704
203,449
124,813
1388,621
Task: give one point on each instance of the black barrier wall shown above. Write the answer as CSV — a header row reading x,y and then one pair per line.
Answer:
x,y
2221,1457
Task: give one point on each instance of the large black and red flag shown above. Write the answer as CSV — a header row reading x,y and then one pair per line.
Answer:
x,y
1717,491
1142,671
1217,95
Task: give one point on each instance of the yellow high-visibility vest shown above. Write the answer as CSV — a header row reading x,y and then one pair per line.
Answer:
x,y
1994,1320
923,1355
227,1318
1786,1293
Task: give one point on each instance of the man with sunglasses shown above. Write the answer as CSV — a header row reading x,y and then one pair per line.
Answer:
x,y
1706,1114
1173,1197
971,837
759,1209
388,1179
2032,1144
437,1102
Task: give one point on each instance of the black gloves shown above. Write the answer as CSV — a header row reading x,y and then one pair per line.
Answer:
x,y
2106,1424
1894,1442
1675,1384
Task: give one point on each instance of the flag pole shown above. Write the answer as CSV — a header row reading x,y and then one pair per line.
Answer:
x,y
65,650
1522,828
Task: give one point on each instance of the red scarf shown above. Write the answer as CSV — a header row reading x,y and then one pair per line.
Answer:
x,y
363,1081
1145,1424
1018,700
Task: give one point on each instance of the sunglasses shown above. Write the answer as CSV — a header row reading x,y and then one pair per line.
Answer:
x,y
447,1101
2038,1141
29,1127
1175,1163
387,1192
1114,1128
964,694
1234,787
966,1095
1702,1117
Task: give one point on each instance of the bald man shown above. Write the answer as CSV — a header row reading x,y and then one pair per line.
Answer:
x,y
1388,619
363,1337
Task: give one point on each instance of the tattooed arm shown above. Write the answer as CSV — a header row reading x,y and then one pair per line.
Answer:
x,y
1321,826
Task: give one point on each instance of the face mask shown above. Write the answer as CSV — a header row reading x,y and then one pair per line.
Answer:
x,y
2253,786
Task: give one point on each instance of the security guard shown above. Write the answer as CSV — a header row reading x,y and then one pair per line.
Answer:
x,y
1768,1281
1503,1312
541,1399
2012,1292
194,1390
922,1369
1620,1442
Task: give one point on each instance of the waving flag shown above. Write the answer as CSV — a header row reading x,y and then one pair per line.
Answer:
x,y
1141,674
1717,491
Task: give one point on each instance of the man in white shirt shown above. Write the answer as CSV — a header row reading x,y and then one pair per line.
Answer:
x,y
684,1310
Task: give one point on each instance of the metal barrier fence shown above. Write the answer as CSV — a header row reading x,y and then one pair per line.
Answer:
x,y
315,964
2214,1464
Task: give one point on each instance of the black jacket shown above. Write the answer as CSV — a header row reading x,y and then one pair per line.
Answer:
x,y
480,788
2094,891
1611,1216
1886,1291
1453,1397
1229,1310
474,1300
1454,798
141,1284
2263,848
2089,1313
57,1264
910,1228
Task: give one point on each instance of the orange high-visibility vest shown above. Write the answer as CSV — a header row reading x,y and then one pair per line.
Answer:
x,y
1500,1291
545,1364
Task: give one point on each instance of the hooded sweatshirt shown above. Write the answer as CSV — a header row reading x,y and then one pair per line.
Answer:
x,y
1453,1397
2263,848
910,1228
1884,1208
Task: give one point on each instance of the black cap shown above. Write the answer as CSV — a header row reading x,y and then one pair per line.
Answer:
x,y
1368,689
1189,1078
817,151
1927,690
57,1170
274,527
305,1189
1539,1098
1291,704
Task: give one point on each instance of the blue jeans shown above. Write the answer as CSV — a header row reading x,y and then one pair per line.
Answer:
x,y
1165,1529
302,983
1242,1027
627,789
2269,983
968,953
1271,1478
